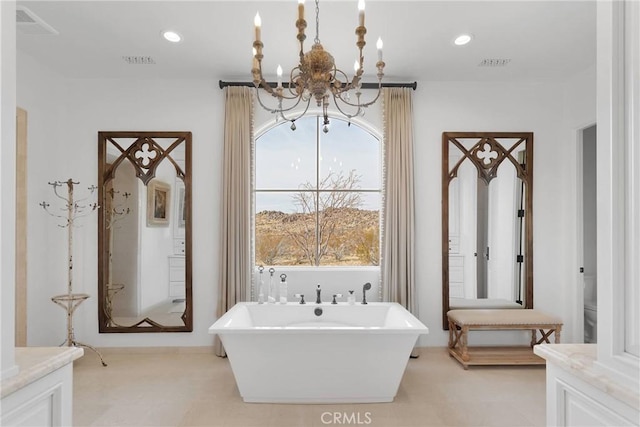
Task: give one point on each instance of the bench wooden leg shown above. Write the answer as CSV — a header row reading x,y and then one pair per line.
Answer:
x,y
463,343
544,336
557,334
454,335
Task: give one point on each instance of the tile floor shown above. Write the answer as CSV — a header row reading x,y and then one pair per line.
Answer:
x,y
196,388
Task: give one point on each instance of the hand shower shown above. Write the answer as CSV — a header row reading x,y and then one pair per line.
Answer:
x,y
365,288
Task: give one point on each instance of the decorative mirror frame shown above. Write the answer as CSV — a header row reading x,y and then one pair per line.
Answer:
x,y
145,172
487,172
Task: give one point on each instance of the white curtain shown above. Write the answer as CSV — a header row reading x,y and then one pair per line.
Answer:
x,y
398,264
235,254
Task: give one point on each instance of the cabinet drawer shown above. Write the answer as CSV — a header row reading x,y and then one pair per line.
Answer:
x,y
177,262
179,246
455,290
454,244
176,275
456,275
456,261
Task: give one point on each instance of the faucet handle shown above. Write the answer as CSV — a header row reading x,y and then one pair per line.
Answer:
x,y
334,298
301,296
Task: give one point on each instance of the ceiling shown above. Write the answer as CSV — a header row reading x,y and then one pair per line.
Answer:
x,y
544,40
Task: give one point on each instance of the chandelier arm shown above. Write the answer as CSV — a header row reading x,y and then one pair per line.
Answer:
x,y
293,78
263,84
344,113
355,84
366,104
289,119
277,110
275,93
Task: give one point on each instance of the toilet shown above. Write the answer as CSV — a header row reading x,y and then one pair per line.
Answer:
x,y
590,322
590,311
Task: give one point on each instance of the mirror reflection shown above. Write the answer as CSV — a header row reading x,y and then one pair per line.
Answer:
x,y
487,211
144,232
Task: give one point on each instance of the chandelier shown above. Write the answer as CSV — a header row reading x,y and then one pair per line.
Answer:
x,y
316,77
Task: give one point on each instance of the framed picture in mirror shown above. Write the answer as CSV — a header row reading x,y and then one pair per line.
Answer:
x,y
158,203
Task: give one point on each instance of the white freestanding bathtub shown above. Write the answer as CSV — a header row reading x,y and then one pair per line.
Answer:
x,y
318,353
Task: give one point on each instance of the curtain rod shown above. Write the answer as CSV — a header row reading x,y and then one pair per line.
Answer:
x,y
413,85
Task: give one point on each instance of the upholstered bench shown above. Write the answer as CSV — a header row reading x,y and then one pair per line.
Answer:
x,y
462,321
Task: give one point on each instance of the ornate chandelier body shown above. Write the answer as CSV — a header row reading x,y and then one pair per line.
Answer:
x,y
316,76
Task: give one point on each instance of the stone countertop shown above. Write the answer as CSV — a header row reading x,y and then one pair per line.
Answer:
x,y
581,361
36,362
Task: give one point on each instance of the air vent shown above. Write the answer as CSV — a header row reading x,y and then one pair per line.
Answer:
x,y
23,17
139,60
28,22
494,62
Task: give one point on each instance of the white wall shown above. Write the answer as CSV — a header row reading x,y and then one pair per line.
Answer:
x,y
93,105
40,93
8,185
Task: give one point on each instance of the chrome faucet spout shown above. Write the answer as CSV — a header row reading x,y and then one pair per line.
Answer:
x,y
318,300
365,288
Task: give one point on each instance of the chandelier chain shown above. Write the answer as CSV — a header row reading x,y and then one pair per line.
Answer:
x,y
317,39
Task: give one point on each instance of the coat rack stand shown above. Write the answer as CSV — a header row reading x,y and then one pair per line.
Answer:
x,y
114,212
74,210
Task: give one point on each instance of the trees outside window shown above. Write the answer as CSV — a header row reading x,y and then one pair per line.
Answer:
x,y
317,195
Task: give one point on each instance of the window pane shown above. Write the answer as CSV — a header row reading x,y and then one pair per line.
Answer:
x,y
285,225
349,232
350,148
286,159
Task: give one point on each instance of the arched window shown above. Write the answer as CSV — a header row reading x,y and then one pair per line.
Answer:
x,y
317,195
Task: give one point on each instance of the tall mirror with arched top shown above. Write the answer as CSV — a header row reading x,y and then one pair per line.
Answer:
x,y
487,220
144,232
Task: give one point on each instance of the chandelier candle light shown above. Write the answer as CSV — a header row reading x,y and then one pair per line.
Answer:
x,y
316,76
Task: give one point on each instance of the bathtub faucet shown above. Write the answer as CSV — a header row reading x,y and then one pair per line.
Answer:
x,y
365,288
318,300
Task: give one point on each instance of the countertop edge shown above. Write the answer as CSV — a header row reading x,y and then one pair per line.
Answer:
x,y
581,361
35,363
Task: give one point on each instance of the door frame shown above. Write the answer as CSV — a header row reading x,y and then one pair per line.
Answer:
x,y
21,229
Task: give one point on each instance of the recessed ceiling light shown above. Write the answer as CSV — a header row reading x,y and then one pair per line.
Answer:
x,y
462,39
172,36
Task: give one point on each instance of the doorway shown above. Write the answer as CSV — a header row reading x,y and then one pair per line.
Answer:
x,y
588,248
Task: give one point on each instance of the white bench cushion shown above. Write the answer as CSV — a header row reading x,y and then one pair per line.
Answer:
x,y
499,317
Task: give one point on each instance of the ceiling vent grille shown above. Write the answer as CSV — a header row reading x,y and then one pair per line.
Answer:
x,y
139,60
28,22
494,62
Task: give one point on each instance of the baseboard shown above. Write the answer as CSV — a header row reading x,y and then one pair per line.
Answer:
x,y
155,350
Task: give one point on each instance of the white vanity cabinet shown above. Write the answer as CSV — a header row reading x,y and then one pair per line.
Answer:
x,y
41,393
581,393
177,276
